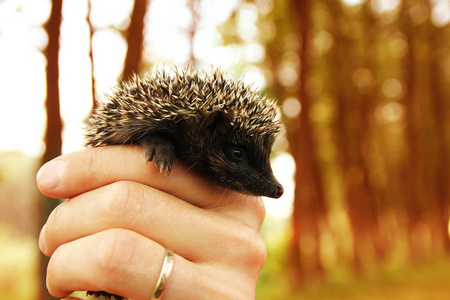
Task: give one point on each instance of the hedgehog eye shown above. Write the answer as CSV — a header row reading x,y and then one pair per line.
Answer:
x,y
237,154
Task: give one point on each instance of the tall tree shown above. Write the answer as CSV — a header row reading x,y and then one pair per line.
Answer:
x,y
441,114
309,202
135,38
352,129
440,118
53,138
194,7
416,99
91,55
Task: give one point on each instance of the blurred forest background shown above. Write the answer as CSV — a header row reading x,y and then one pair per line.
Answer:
x,y
364,91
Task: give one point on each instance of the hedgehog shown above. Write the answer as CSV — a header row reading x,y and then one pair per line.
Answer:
x,y
222,128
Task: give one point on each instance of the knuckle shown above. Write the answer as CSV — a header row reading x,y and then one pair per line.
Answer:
x,y
255,211
52,271
258,208
119,201
261,254
89,161
57,265
89,158
114,254
52,226
55,216
250,247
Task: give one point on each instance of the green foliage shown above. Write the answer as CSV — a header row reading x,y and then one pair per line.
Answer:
x,y
427,280
18,265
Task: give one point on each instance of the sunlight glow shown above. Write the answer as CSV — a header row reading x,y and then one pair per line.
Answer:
x,y
323,41
284,169
440,15
362,78
418,14
288,75
247,17
22,97
382,6
390,112
291,107
448,228
254,76
392,88
353,2
118,15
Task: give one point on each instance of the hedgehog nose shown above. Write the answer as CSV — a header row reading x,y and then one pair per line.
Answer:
x,y
278,191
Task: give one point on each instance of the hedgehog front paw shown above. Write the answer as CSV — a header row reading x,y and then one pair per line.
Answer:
x,y
162,151
164,158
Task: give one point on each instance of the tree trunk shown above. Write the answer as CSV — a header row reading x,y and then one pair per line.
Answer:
x,y
194,7
353,134
440,116
414,190
135,39
309,203
53,139
91,57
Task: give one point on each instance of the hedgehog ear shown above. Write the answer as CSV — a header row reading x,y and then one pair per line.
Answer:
x,y
215,121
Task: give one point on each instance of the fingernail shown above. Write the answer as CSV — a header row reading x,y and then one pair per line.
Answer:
x,y
50,174
42,240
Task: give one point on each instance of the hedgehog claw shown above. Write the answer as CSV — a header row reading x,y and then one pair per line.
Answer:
x,y
161,150
167,170
149,155
164,167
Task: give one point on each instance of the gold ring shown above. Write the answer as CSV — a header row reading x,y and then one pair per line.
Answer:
x,y
164,275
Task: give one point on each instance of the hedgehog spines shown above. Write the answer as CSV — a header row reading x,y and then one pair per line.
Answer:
x,y
185,94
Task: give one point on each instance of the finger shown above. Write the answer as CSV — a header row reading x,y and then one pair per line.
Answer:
x,y
192,232
124,263
102,262
81,171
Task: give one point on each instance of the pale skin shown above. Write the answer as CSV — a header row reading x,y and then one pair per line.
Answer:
x,y
121,214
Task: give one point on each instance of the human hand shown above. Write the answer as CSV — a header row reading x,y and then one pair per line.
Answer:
x,y
121,214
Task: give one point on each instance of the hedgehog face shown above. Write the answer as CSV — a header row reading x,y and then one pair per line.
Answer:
x,y
236,160
245,168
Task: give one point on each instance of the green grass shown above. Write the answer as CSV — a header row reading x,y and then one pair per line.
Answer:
x,y
18,260
427,281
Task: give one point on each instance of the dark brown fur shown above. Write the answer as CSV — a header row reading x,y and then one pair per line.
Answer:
x,y
217,126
